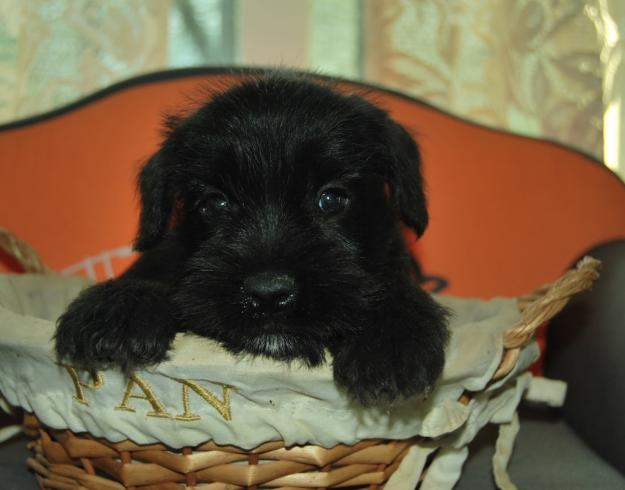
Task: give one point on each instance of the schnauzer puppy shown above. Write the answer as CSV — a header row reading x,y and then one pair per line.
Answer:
x,y
270,222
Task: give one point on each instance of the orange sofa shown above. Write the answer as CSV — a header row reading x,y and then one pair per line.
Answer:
x,y
507,213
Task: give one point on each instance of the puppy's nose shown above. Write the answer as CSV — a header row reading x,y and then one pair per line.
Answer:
x,y
270,292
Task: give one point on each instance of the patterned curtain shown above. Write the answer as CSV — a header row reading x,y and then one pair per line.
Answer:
x,y
53,52
529,66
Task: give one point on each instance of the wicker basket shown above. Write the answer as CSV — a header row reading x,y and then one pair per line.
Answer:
x,y
66,460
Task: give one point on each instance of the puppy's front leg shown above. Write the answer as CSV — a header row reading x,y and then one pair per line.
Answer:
x,y
126,322
401,354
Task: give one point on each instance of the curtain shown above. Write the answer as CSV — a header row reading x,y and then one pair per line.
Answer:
x,y
532,67
53,52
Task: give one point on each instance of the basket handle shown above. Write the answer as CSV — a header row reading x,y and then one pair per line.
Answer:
x,y
548,300
542,305
24,254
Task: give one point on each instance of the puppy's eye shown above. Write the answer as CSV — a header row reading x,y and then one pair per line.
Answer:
x,y
215,201
333,201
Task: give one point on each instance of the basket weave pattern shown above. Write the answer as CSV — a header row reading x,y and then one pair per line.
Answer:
x,y
64,460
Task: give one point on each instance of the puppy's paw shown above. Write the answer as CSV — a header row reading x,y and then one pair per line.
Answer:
x,y
120,323
373,375
393,362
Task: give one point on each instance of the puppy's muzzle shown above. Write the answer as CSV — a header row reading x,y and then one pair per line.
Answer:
x,y
267,293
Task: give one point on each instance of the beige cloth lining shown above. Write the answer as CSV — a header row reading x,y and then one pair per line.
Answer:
x,y
265,399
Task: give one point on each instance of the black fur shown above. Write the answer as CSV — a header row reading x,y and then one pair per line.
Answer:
x,y
237,247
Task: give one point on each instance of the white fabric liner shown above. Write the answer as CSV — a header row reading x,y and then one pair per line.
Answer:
x,y
267,400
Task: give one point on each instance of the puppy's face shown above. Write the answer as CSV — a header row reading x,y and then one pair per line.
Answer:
x,y
286,198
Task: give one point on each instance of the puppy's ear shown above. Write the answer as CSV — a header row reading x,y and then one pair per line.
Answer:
x,y
157,203
406,180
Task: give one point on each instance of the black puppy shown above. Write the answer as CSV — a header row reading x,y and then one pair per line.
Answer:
x,y
270,222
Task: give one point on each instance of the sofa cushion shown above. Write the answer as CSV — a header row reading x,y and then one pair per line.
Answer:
x,y
547,455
